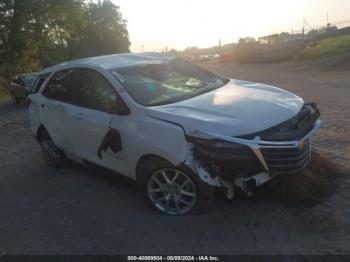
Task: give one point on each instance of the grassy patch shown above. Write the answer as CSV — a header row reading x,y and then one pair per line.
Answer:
x,y
327,47
4,95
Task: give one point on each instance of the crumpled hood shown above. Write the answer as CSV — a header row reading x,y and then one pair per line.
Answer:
x,y
238,108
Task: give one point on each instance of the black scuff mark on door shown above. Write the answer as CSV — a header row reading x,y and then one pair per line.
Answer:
x,y
111,140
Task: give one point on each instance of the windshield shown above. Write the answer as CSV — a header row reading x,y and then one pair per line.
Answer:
x,y
165,83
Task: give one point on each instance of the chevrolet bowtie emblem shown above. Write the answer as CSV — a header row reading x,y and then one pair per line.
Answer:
x,y
301,144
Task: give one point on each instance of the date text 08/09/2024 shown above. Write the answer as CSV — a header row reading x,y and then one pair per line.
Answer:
x,y
173,258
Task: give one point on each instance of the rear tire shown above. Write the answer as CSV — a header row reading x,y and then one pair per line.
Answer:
x,y
173,190
53,155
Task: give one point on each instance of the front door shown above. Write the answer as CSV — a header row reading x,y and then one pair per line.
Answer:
x,y
91,116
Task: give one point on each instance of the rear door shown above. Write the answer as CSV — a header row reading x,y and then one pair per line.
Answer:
x,y
95,99
56,108
34,109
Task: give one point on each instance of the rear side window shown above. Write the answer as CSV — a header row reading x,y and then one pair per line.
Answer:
x,y
60,85
94,91
39,82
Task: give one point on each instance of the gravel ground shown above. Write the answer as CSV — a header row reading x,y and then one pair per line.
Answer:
x,y
80,211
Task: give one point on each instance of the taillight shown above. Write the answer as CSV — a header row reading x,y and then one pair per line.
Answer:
x,y
27,102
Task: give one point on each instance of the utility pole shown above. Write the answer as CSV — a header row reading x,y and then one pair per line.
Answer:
x,y
327,21
141,48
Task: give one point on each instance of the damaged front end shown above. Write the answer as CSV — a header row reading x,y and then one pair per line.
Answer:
x,y
251,160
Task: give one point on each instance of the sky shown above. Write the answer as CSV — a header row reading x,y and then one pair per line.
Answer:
x,y
154,25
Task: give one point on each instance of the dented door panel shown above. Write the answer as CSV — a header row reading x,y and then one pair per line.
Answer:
x,y
146,136
89,127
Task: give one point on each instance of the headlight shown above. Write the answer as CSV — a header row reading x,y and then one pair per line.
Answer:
x,y
220,149
224,158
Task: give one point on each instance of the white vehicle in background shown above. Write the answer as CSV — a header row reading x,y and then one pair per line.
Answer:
x,y
21,86
177,129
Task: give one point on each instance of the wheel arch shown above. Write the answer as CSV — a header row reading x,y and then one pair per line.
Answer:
x,y
40,131
145,158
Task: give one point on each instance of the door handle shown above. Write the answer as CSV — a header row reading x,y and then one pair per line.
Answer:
x,y
53,104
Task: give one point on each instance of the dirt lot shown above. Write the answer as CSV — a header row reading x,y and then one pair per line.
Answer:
x,y
326,85
79,211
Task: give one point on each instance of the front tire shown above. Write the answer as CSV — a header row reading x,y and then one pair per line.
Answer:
x,y
174,190
53,155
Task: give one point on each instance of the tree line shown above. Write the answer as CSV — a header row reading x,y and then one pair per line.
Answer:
x,y
38,33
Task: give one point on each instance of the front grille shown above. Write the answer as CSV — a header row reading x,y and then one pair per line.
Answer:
x,y
287,160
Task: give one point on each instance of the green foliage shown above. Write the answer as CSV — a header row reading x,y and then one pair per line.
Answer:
x,y
4,91
106,29
327,47
4,95
39,33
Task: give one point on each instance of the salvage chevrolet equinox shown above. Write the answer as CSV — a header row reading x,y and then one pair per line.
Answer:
x,y
177,129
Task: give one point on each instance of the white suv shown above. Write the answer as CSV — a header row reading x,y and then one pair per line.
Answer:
x,y
177,129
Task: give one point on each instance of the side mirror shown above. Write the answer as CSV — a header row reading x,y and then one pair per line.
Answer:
x,y
20,83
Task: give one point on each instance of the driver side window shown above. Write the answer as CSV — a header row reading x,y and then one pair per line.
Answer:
x,y
95,92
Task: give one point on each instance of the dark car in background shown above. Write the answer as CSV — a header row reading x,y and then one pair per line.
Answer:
x,y
21,86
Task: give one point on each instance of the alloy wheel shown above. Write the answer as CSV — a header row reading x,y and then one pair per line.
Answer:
x,y
172,191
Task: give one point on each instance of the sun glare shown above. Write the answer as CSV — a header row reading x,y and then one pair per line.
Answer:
x,y
156,24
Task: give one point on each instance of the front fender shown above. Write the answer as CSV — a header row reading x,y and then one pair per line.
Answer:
x,y
155,137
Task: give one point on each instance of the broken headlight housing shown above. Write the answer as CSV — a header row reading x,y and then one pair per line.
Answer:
x,y
225,159
219,148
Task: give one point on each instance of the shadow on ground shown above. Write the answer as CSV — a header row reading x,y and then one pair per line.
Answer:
x,y
317,182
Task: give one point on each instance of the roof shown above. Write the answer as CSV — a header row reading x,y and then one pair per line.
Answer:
x,y
115,60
